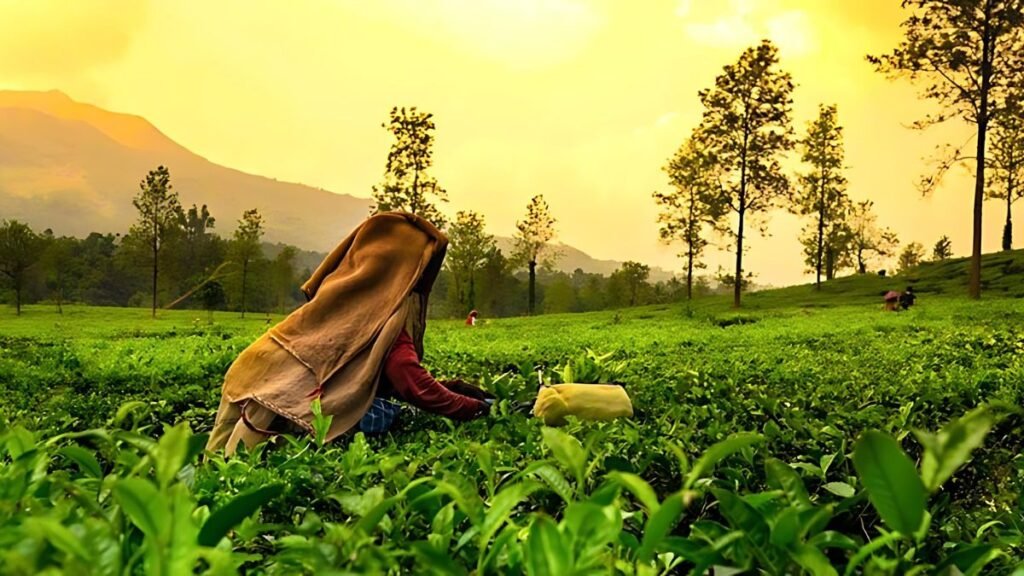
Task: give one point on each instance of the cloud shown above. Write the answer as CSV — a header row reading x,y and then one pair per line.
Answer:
x,y
746,22
518,33
57,39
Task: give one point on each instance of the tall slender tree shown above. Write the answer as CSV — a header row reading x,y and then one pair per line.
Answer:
x,y
532,243
20,249
822,190
247,247
687,211
159,217
868,240
1006,178
469,246
747,126
407,186
966,55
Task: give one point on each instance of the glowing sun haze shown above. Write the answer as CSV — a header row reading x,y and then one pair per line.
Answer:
x,y
582,101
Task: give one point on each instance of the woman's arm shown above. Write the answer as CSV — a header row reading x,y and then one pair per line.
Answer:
x,y
412,383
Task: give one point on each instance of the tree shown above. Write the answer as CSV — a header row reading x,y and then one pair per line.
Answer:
x,y
283,276
406,185
943,249
746,125
635,274
197,225
20,248
965,54
1006,179
836,245
532,243
911,256
469,246
822,190
867,240
59,260
247,247
687,210
159,216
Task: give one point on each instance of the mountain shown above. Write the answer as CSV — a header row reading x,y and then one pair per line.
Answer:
x,y
74,168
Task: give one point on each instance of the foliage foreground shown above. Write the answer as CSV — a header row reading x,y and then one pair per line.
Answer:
x,y
818,441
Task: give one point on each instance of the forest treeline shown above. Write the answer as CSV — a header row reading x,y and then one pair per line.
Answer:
x,y
198,268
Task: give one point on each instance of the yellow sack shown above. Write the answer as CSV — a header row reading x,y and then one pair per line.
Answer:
x,y
584,401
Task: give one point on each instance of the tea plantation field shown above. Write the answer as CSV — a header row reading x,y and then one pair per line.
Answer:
x,y
780,440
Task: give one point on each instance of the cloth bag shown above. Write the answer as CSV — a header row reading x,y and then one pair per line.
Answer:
x,y
584,401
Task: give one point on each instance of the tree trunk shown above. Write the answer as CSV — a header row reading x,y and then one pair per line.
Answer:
x,y
472,291
974,286
1008,227
156,268
737,288
17,299
738,280
245,274
533,287
689,273
821,236
60,297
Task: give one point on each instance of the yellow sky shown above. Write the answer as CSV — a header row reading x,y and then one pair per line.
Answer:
x,y
580,100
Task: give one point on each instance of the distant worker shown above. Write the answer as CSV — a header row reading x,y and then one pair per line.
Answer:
x,y
471,319
907,298
892,300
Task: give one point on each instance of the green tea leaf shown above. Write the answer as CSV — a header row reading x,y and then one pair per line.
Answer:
x,y
639,488
592,526
435,561
555,480
660,524
546,554
841,489
567,450
813,560
501,507
891,481
868,549
85,459
239,508
171,451
782,477
58,535
948,450
712,456
144,506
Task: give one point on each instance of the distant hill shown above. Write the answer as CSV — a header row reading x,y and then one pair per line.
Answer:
x,y
74,168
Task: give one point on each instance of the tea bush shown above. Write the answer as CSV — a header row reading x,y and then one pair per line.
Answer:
x,y
797,441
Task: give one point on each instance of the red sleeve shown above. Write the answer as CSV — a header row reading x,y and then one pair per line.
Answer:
x,y
412,383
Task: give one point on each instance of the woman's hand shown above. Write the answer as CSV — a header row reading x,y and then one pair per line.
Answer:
x,y
465,389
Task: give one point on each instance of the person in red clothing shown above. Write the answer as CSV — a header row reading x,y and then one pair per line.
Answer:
x,y
352,350
405,379
471,319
